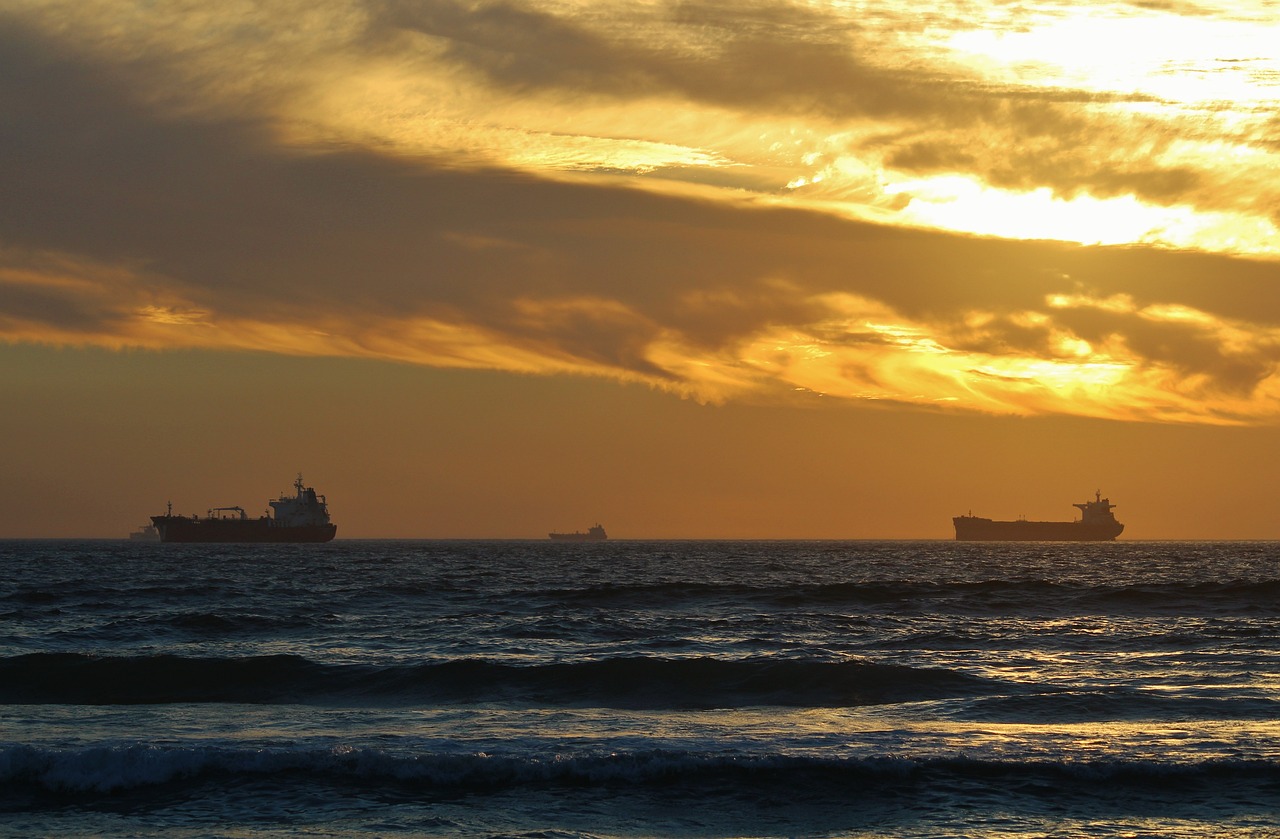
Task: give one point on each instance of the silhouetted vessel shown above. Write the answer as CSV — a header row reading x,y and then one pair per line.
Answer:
x,y
593,534
1096,524
146,533
302,518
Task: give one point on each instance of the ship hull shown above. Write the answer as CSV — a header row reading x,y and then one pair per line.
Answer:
x,y
182,529
575,537
974,529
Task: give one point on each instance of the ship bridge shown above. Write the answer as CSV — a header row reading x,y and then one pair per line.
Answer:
x,y
304,509
1098,510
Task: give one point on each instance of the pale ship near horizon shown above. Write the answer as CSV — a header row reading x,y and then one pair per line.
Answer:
x,y
595,533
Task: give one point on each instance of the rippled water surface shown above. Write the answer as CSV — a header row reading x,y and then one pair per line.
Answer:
x,y
481,689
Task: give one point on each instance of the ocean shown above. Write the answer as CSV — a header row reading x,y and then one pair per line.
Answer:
x,y
639,689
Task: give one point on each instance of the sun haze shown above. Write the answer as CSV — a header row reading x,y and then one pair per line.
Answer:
x,y
690,269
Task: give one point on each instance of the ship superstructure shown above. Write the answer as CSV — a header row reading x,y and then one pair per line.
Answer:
x,y
303,517
1096,524
595,533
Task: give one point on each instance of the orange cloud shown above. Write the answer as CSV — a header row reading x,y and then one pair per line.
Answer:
x,y
135,220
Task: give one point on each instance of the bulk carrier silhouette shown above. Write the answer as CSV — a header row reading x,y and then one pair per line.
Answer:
x,y
302,518
1096,524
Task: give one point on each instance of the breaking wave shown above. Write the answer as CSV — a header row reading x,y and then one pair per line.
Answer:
x,y
112,769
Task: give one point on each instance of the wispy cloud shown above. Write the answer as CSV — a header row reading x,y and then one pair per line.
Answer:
x,y
254,213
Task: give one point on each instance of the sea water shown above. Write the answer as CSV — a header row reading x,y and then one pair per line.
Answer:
x,y
627,689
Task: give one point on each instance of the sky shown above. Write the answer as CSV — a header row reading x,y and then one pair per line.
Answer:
x,y
689,269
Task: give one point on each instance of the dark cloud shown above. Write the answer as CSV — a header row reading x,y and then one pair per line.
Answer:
x,y
216,216
64,309
788,59
1195,350
1190,348
1178,7
932,155
1071,151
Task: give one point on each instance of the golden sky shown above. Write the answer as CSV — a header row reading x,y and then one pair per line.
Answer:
x,y
762,269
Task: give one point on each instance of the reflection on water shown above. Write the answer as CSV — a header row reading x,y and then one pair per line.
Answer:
x,y
620,689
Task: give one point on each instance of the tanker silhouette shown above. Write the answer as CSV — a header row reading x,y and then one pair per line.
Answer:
x,y
302,518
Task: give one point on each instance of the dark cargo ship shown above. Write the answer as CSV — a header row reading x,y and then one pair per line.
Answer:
x,y
1096,524
302,518
594,534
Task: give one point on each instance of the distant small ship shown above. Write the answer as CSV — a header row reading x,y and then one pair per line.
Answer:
x,y
302,518
593,534
146,533
1096,524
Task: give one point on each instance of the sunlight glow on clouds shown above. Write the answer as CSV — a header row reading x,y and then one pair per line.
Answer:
x,y
957,203
857,349
683,90
1190,60
726,201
